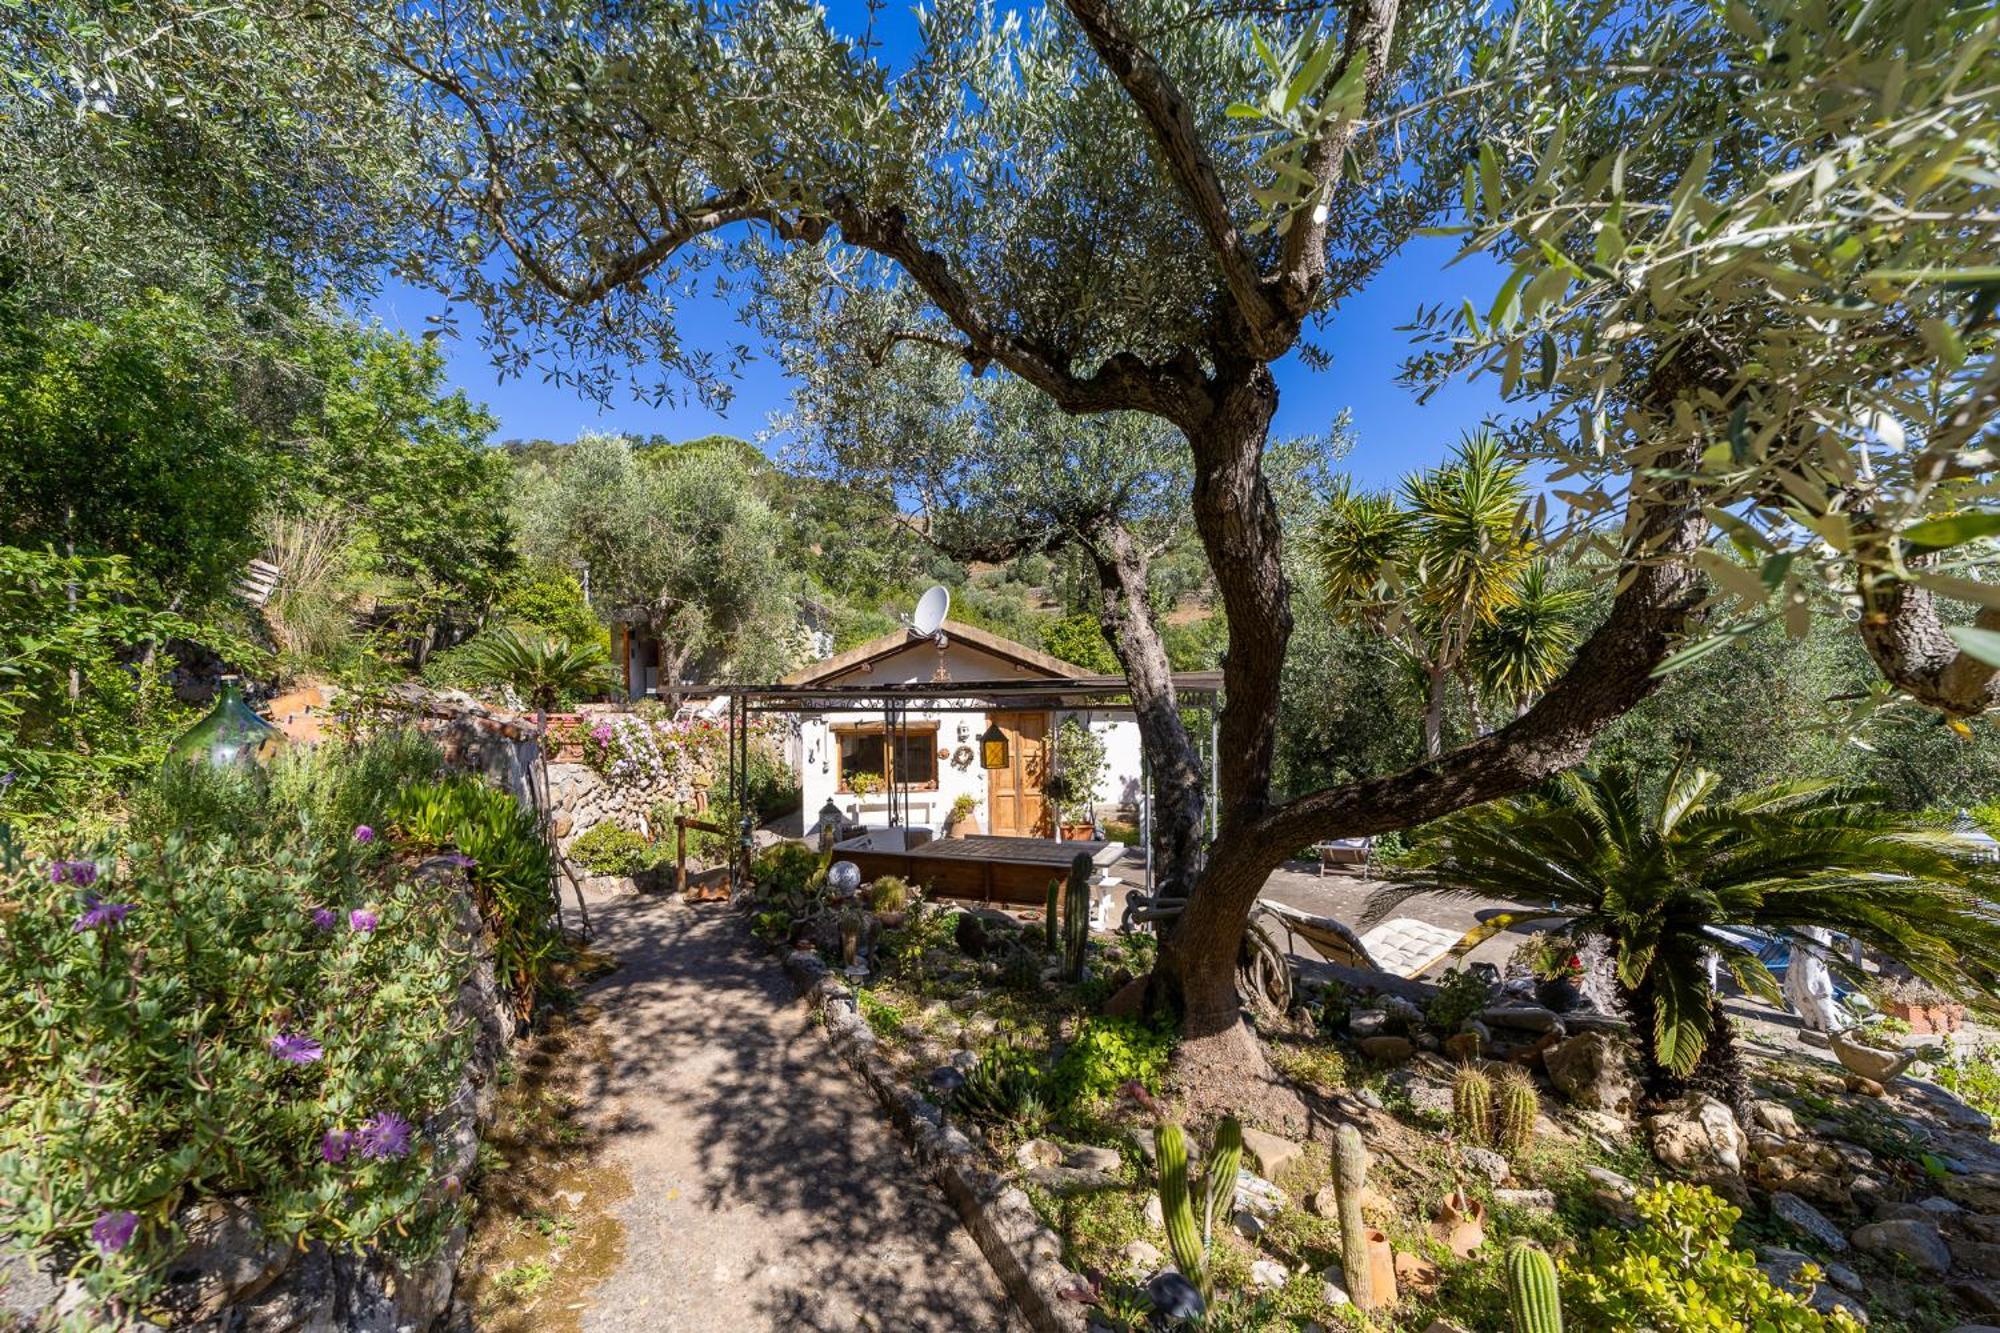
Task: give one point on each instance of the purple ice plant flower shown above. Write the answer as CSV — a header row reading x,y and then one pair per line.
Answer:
x,y
334,1147
325,918
97,912
83,874
461,860
113,1231
363,834
295,1048
385,1134
363,921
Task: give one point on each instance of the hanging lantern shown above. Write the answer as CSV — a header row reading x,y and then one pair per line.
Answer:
x,y
231,736
993,747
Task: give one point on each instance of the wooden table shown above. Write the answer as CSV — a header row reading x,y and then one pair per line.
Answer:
x,y
986,868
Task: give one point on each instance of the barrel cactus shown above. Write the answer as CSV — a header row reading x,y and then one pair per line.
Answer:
x,y
1472,1103
1533,1302
1519,1104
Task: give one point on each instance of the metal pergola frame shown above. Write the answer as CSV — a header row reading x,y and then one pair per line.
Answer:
x,y
1196,691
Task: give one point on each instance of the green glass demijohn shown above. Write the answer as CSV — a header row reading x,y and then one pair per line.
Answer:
x,y
231,736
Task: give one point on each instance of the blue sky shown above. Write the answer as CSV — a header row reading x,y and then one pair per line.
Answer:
x,y
1393,433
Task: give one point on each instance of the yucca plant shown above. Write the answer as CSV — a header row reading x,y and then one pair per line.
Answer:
x,y
1653,874
541,670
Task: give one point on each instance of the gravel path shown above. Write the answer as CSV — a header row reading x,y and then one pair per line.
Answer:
x,y
767,1192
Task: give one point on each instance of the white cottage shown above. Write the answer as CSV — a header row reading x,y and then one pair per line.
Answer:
x,y
933,752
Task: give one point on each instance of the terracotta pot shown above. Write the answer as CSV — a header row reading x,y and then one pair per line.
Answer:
x,y
1381,1271
1079,832
968,827
1460,1224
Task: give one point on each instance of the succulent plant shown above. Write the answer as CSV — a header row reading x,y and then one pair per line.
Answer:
x,y
1472,1103
1350,1178
1519,1105
1189,1244
1051,916
1534,1303
1076,917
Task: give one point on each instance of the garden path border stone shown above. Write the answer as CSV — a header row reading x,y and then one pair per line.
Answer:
x,y
1025,1254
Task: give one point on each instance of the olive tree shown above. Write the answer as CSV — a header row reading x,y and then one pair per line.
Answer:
x,y
1134,206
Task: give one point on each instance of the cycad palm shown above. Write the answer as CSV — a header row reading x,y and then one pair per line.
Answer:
x,y
541,670
1651,875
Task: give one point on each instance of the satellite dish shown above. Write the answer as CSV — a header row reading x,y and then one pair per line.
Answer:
x,y
931,608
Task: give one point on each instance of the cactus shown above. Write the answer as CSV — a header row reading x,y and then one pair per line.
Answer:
x,y
1472,1103
1519,1105
1076,916
1533,1301
1049,917
1190,1246
1021,968
1350,1178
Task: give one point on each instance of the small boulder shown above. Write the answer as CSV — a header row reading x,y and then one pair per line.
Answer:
x,y
1592,1070
1386,1050
1487,1163
1775,1118
1142,1256
1271,1153
1522,1018
1919,1242
1105,1160
1540,1200
1698,1137
1808,1221
1037,1152
1267,1274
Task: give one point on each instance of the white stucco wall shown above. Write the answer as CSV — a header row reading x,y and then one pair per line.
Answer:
x,y
818,752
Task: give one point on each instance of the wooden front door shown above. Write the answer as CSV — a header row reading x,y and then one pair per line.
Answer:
x,y
1014,801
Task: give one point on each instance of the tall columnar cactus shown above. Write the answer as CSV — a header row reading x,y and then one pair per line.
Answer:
x,y
1519,1105
1188,1241
1049,917
1472,1103
1350,1178
1533,1302
1076,916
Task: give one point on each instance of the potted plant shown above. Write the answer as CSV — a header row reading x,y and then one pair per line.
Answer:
x,y
1071,789
1929,1011
864,785
1558,972
962,822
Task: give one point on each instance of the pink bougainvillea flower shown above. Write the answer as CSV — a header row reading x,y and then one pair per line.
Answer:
x,y
363,921
333,1148
385,1134
97,912
295,1048
113,1231
362,833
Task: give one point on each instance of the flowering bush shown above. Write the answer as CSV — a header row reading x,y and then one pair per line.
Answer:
x,y
628,750
263,1013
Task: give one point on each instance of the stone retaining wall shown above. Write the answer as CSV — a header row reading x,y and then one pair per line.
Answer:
x,y
1025,1254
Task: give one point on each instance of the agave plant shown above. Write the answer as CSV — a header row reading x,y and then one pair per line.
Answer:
x,y
1653,874
540,670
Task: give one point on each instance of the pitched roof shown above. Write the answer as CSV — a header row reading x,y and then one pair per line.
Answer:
x,y
896,641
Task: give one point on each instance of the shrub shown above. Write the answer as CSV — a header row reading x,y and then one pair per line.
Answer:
x,y
1107,1054
208,1011
784,870
1461,996
889,893
608,849
512,870
1679,1270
